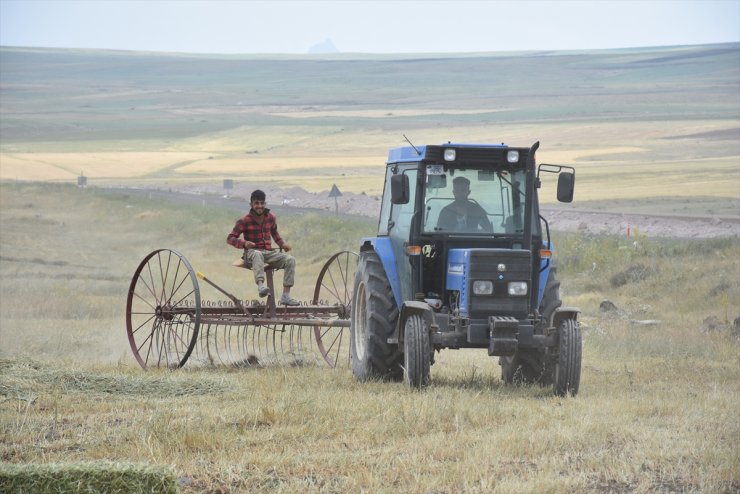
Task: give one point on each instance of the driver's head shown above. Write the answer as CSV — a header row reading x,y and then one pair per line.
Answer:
x,y
461,188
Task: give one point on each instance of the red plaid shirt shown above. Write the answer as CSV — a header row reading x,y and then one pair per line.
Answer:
x,y
255,232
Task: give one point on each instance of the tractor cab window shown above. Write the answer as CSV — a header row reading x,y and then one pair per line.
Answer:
x,y
473,201
385,209
397,217
403,214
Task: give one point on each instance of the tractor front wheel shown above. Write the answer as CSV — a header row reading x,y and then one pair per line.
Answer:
x,y
417,352
567,371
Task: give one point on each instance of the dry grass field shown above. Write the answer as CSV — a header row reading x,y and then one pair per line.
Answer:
x,y
649,130
656,411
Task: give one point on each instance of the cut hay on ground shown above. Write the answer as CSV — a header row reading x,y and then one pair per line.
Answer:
x,y
22,380
101,476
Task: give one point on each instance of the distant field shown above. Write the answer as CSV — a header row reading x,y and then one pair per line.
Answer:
x,y
637,123
68,166
635,171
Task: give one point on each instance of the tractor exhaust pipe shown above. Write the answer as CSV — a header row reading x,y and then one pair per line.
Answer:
x,y
531,171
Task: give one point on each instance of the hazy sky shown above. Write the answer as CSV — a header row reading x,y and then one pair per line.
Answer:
x,y
365,26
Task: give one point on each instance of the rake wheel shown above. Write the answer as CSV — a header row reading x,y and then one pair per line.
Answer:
x,y
163,310
334,287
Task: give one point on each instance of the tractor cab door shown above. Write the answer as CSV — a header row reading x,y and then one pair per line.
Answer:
x,y
400,225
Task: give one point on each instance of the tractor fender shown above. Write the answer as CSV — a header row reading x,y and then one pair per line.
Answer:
x,y
382,247
563,313
413,307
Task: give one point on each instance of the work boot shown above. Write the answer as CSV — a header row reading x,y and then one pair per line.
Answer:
x,y
288,300
263,290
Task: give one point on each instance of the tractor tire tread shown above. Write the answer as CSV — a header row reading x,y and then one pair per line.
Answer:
x,y
417,352
568,369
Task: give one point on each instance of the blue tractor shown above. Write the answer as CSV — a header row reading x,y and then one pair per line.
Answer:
x,y
463,259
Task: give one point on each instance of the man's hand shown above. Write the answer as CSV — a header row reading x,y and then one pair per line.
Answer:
x,y
286,248
249,245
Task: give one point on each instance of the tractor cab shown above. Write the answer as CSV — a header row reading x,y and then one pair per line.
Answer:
x,y
455,201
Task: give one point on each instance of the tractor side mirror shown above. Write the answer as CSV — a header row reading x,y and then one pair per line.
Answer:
x,y
400,188
566,186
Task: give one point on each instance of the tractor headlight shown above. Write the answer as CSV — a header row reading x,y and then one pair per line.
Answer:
x,y
483,287
517,288
512,156
450,154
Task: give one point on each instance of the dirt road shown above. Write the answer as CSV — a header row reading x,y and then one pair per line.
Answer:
x,y
642,224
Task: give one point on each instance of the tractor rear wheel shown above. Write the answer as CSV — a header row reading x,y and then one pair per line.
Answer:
x,y
567,371
417,352
373,320
529,365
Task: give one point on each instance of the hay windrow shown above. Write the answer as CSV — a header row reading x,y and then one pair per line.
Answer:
x,y
23,380
101,476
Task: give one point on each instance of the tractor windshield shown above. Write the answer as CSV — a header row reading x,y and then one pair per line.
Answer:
x,y
473,201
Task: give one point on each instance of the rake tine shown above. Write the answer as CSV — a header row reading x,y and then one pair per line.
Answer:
x,y
274,341
208,342
220,333
229,350
264,338
247,352
255,342
258,338
270,341
295,341
240,344
282,340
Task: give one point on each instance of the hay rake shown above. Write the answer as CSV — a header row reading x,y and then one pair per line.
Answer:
x,y
168,324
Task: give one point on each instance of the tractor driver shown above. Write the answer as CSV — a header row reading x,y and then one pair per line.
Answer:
x,y
257,227
462,214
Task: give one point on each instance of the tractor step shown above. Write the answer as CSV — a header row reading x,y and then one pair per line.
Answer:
x,y
504,332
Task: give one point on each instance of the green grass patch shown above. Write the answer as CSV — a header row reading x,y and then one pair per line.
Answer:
x,y
86,477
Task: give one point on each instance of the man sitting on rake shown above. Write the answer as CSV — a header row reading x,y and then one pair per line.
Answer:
x,y
257,227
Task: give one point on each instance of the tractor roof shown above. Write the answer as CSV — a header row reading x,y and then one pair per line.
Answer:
x,y
482,153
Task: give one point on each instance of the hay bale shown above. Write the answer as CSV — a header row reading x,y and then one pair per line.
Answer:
x,y
101,476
